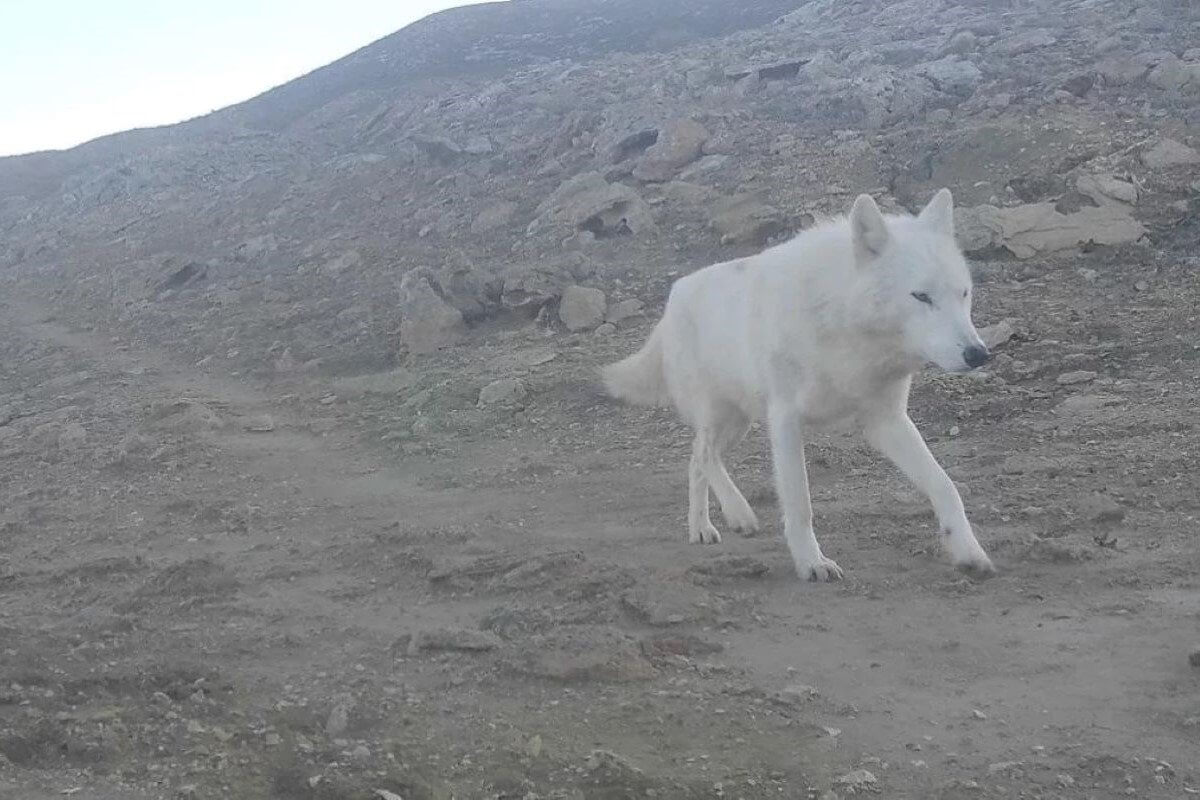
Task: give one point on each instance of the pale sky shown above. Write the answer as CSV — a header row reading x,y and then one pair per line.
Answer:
x,y
72,70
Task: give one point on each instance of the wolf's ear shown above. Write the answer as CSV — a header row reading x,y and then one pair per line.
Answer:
x,y
939,214
868,229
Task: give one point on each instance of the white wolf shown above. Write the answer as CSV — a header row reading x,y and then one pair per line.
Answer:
x,y
825,329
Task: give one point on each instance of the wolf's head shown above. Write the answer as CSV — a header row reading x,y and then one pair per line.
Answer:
x,y
922,287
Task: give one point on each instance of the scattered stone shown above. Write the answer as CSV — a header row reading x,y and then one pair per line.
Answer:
x,y
1079,85
706,164
1121,70
608,766
582,308
1173,74
1075,377
688,645
526,290
494,216
589,202
952,75
679,143
622,310
1037,228
183,414
961,42
995,335
537,356
1105,187
1101,508
427,322
382,383
744,219
347,261
731,566
263,423
795,694
1168,153
856,781
888,96
70,436
338,720
505,391
666,604
585,653
1024,42
455,639
776,70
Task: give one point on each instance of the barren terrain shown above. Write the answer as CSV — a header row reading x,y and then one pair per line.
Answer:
x,y
307,489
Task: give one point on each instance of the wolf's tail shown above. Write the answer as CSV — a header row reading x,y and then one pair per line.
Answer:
x,y
639,379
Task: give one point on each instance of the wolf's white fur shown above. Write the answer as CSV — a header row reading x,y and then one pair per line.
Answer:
x,y
825,329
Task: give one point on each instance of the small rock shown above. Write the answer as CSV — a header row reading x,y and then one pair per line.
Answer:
x,y
743,219
361,753
952,75
679,143
1169,153
623,310
795,694
606,329
505,391
1081,84
961,42
1101,508
977,714
263,423
456,639
339,716
1141,286
995,335
859,780
427,322
582,308
610,765
494,216
1075,377
1025,42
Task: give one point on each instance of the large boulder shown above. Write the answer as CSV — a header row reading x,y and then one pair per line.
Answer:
x,y
679,143
1037,228
588,202
427,322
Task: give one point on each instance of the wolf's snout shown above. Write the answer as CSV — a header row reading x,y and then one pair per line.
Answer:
x,y
976,356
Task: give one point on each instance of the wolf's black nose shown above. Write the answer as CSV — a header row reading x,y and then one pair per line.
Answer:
x,y
976,356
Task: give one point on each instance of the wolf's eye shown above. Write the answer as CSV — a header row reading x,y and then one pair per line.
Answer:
x,y
922,298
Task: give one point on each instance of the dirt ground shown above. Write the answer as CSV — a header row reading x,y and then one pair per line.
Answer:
x,y
213,586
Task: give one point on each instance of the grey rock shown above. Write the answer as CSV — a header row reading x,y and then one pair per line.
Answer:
x,y
1166,153
427,322
505,391
679,143
582,308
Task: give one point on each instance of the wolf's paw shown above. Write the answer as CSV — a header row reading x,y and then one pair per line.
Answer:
x,y
705,534
970,557
818,569
741,518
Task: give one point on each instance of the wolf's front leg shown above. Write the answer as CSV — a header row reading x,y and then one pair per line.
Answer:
x,y
898,438
791,480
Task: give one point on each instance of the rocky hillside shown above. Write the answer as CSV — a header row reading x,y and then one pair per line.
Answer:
x,y
455,177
